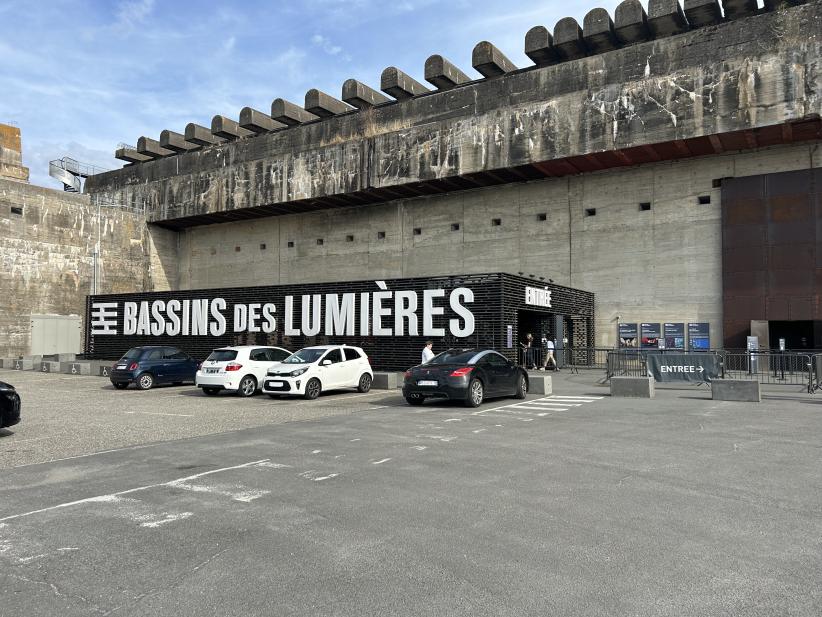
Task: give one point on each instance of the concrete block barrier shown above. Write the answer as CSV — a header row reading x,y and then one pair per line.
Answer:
x,y
540,384
632,387
736,390
48,366
100,368
75,368
384,381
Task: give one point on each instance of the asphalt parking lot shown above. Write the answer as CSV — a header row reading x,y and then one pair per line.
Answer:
x,y
576,504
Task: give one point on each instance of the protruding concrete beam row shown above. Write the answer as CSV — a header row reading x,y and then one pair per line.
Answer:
x,y
490,61
598,31
152,148
228,129
568,39
400,85
361,96
739,8
324,105
258,121
539,46
702,12
176,142
443,74
631,22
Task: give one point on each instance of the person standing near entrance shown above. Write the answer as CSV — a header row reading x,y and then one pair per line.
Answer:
x,y
529,357
549,354
427,352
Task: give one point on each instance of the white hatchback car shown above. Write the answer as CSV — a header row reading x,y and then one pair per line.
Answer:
x,y
312,370
238,369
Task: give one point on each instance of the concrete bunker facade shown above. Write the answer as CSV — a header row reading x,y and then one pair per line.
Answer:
x,y
603,167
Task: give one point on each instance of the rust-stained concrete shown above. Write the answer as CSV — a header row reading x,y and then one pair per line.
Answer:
x,y
11,157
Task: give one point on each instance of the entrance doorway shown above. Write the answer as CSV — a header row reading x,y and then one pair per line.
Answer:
x,y
798,335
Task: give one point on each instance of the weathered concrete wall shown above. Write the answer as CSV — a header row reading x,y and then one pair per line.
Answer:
x,y
746,73
658,265
46,256
11,158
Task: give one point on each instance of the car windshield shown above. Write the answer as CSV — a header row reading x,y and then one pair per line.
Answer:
x,y
454,356
222,355
133,353
305,356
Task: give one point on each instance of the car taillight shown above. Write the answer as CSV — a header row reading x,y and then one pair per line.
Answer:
x,y
462,372
233,367
132,366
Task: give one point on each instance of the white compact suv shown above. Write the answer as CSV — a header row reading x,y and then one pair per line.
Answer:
x,y
238,369
312,370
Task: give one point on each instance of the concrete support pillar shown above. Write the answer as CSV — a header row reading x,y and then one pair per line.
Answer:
x,y
152,148
200,135
130,156
443,74
490,61
739,8
568,39
258,121
361,96
289,113
539,46
324,105
702,12
175,141
228,129
666,18
598,31
631,22
400,85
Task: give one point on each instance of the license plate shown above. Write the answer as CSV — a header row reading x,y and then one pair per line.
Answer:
x,y
275,383
120,366
426,382
212,370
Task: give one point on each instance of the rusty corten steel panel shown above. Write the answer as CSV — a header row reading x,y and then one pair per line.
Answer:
x,y
771,250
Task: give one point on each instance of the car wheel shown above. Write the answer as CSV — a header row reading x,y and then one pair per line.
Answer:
x,y
476,392
415,399
522,387
121,385
145,381
248,386
211,391
312,389
365,383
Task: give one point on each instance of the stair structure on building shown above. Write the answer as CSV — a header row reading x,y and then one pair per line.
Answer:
x,y
72,173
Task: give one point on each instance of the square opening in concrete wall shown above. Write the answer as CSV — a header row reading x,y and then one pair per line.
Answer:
x,y
455,226
290,244
262,246
590,211
645,206
417,231
542,216
320,241
349,238
704,200
380,235
18,210
496,222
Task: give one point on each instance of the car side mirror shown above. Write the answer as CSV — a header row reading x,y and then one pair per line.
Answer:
x,y
326,363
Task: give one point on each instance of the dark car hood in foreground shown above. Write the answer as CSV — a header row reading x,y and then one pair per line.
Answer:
x,y
4,385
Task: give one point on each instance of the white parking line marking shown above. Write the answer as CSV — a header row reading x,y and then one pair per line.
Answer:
x,y
535,408
114,496
420,448
587,398
385,460
548,404
170,518
273,465
453,420
479,430
316,451
159,413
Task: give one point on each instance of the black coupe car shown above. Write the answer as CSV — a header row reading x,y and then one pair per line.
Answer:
x,y
9,405
469,375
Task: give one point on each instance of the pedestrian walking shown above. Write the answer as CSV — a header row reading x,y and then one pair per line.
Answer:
x,y
549,354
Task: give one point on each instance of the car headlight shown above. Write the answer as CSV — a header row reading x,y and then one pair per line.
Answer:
x,y
298,372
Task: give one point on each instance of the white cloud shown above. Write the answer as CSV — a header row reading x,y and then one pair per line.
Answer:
x,y
326,45
133,13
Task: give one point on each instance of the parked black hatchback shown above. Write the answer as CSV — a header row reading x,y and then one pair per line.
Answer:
x,y
9,405
152,365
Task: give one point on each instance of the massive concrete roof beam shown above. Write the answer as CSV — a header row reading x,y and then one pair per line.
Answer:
x,y
490,61
361,96
290,113
175,141
568,39
702,12
258,121
539,46
739,8
598,31
443,74
773,5
324,105
400,85
152,148
631,22
666,18
228,129
130,156
200,135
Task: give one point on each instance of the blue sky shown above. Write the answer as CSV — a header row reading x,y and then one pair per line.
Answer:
x,y
80,76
